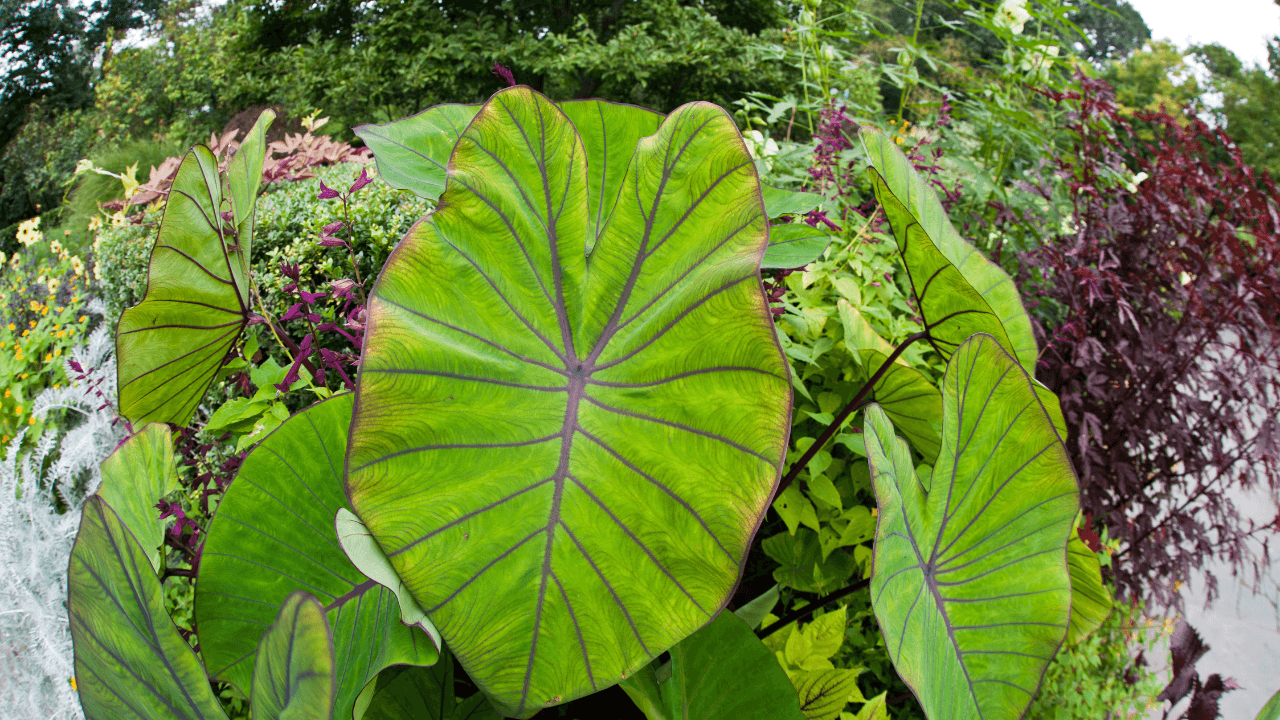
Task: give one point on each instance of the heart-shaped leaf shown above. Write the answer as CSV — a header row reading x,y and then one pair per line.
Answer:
x,y
273,534
970,581
911,401
794,245
171,344
1090,599
134,478
960,292
721,672
293,668
541,444
244,177
130,660
423,693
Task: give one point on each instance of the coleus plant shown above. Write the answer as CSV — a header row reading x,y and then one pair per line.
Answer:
x,y
570,417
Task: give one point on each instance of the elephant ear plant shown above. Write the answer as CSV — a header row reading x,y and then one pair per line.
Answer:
x,y
570,417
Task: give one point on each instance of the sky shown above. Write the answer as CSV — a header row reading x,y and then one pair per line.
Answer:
x,y
1243,26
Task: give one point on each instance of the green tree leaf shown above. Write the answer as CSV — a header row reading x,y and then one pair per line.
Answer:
x,y
293,668
411,153
794,245
171,344
274,534
970,581
130,660
778,202
1090,598
721,672
134,478
568,497
802,564
941,263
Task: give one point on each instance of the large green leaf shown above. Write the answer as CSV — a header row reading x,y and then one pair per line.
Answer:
x,y
134,478
293,668
540,443
423,693
950,310
721,672
412,153
244,177
778,201
970,582
130,660
170,346
1090,599
911,401
273,534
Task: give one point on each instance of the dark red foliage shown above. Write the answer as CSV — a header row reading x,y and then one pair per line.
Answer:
x,y
1162,309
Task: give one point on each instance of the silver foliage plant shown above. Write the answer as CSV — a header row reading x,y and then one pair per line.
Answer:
x,y
36,664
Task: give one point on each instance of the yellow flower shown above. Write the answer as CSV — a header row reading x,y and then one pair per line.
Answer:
x,y
70,680
18,411
31,420
23,376
12,326
35,307
83,318
26,332
48,357
56,386
56,353
77,265
6,392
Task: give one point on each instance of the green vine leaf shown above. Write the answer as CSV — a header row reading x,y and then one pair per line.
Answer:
x,y
171,345
567,497
970,582
273,535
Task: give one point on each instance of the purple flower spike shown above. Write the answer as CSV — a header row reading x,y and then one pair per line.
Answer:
x,y
289,271
327,193
332,227
360,181
294,313
504,73
310,298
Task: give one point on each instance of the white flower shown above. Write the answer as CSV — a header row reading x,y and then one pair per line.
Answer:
x,y
758,145
1012,15
29,232
1038,63
1137,180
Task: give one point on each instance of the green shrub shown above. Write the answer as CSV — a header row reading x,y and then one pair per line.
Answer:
x,y
1101,676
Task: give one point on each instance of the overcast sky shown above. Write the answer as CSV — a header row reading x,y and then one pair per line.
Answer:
x,y
1244,26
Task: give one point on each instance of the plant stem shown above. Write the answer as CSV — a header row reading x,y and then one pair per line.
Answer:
x,y
803,612
351,250
915,35
853,405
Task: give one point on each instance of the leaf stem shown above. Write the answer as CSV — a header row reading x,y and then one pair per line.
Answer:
x,y
848,410
807,610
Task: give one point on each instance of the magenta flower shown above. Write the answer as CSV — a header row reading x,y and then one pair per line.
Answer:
x,y
310,298
327,193
332,227
504,73
360,181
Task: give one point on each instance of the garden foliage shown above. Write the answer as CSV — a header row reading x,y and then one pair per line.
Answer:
x,y
1164,298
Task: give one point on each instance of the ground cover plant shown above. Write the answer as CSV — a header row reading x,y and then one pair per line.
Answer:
x,y
570,415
